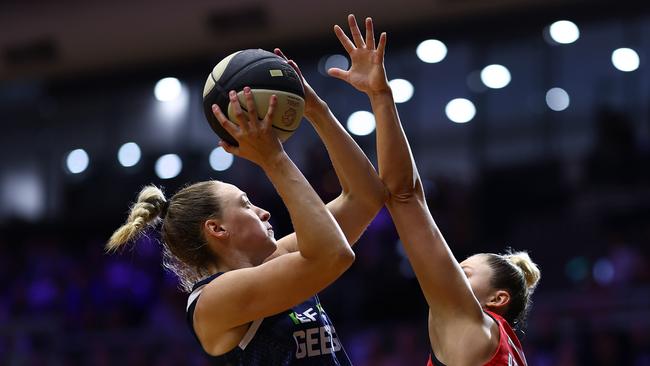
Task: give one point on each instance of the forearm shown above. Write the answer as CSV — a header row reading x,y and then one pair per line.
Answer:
x,y
318,234
397,167
357,176
441,279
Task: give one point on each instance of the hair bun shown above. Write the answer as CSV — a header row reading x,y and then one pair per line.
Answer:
x,y
530,270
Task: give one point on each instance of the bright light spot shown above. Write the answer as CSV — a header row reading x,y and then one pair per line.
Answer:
x,y
431,51
402,90
22,194
337,61
361,123
129,154
167,89
220,160
625,59
495,76
564,32
77,161
603,271
168,166
460,110
557,99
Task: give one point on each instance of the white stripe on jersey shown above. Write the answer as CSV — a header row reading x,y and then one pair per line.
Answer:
x,y
250,333
193,296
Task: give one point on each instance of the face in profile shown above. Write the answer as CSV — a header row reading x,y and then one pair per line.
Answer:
x,y
479,274
247,225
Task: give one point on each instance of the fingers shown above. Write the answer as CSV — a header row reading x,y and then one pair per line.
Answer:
x,y
338,73
268,119
381,48
229,148
237,111
343,38
356,33
279,52
230,127
370,34
293,64
250,106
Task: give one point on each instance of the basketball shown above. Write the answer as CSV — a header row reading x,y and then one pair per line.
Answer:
x,y
266,74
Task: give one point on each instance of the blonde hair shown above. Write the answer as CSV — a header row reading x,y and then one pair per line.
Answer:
x,y
185,249
519,275
145,211
528,268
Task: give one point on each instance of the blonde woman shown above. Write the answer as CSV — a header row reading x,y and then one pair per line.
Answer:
x,y
253,298
473,305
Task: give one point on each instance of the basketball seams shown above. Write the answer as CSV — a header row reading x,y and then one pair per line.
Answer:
x,y
254,68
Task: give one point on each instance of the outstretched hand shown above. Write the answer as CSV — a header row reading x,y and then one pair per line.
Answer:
x,y
257,140
367,73
312,100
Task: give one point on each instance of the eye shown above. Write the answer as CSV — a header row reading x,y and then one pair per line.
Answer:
x,y
247,203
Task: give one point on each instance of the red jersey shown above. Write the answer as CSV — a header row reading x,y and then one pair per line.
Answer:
x,y
508,352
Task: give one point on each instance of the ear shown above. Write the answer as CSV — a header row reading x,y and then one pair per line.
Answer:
x,y
212,228
498,299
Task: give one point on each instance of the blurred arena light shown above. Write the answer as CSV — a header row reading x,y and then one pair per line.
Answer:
x,y
603,271
577,269
77,161
361,123
402,90
168,166
564,32
460,110
23,194
625,59
431,51
557,99
167,89
129,154
495,76
220,159
329,61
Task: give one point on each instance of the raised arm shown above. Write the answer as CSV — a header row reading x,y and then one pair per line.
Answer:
x,y
240,296
456,316
362,192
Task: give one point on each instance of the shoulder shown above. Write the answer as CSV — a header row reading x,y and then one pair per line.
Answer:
x,y
213,344
449,339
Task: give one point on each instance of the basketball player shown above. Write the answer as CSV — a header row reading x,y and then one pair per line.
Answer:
x,y
253,299
473,305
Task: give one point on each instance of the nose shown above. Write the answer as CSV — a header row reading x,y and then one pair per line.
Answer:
x,y
263,214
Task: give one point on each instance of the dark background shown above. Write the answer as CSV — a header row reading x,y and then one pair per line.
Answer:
x,y
572,187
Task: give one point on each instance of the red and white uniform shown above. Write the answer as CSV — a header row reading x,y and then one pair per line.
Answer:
x,y
508,352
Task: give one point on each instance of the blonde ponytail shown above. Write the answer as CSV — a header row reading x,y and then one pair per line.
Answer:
x,y
529,269
150,205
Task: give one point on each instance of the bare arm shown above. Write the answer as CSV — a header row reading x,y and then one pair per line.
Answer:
x,y
457,316
240,296
362,192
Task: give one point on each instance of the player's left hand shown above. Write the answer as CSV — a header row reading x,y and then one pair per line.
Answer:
x,y
367,73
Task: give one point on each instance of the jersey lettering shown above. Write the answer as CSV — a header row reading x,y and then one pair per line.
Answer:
x,y
316,342
307,316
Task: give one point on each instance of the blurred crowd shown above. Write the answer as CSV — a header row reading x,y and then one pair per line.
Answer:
x,y
63,301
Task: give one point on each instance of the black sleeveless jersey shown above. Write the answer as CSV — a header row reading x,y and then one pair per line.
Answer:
x,y
302,335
